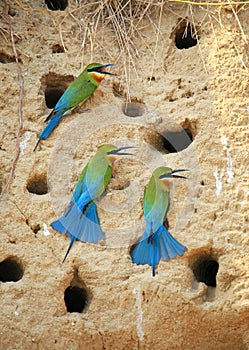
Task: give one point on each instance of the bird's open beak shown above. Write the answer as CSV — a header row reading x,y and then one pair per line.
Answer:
x,y
172,174
117,151
102,69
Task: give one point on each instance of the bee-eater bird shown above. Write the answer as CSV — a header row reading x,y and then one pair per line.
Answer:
x,y
156,242
77,92
81,220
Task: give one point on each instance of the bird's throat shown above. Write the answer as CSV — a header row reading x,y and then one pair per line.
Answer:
x,y
98,77
166,183
112,159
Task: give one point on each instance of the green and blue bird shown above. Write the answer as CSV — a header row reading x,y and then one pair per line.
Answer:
x,y
156,242
77,92
81,220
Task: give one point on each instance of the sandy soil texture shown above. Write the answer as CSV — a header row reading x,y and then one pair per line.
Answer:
x,y
194,100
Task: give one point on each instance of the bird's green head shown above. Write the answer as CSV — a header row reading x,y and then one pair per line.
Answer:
x,y
165,175
113,153
97,71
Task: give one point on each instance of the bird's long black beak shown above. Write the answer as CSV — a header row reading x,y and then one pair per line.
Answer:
x,y
102,70
172,174
117,151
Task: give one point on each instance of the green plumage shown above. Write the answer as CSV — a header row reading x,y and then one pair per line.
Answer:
x,y
96,175
77,92
80,220
156,198
156,242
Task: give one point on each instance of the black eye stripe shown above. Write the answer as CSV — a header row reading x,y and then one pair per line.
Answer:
x,y
94,70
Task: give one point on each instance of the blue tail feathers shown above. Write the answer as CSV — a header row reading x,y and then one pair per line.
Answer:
x,y
48,129
161,245
83,225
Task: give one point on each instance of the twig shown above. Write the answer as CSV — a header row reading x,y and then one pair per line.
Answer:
x,y
204,3
198,42
18,131
157,40
240,26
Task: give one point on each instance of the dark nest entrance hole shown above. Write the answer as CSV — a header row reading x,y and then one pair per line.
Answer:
x,y
37,184
185,35
11,270
205,270
179,139
6,58
53,86
77,296
56,5
75,299
176,141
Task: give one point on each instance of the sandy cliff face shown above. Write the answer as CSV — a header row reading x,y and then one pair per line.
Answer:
x,y
198,94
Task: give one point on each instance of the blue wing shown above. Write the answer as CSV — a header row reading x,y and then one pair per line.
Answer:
x,y
80,223
161,245
77,92
48,129
66,103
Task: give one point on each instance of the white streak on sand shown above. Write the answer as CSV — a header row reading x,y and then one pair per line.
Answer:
x,y
137,293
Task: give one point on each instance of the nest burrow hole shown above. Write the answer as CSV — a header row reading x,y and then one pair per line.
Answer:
x,y
75,299
176,141
56,5
57,48
179,138
186,35
133,109
6,58
11,12
11,270
77,296
38,184
53,86
205,270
